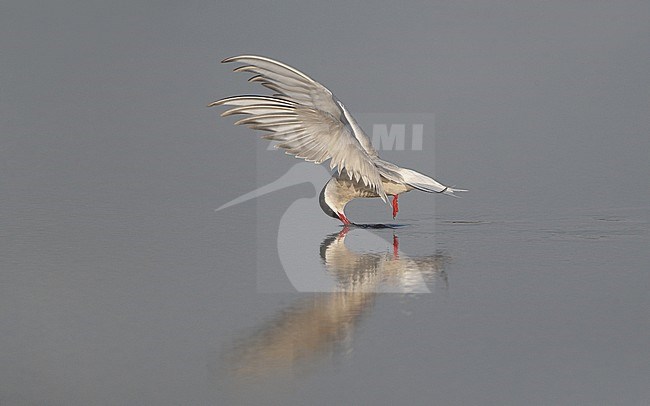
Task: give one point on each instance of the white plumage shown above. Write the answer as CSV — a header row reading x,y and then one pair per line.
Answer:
x,y
309,122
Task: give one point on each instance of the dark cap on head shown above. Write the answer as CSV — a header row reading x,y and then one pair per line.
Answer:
x,y
323,205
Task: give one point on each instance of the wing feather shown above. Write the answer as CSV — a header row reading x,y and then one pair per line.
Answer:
x,y
306,119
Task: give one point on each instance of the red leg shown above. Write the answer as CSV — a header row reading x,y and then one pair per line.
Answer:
x,y
344,231
395,246
395,207
344,219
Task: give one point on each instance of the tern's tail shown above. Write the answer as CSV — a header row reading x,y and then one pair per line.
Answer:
x,y
426,184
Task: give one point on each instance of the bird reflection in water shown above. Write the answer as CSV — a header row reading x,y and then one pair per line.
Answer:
x,y
323,325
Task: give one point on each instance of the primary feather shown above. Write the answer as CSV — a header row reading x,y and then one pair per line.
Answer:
x,y
306,120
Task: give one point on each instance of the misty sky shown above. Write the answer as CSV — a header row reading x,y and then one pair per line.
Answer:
x,y
542,104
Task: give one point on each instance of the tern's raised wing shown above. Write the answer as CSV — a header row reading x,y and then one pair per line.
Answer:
x,y
306,120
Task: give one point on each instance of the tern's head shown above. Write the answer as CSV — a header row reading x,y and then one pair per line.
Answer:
x,y
324,204
332,202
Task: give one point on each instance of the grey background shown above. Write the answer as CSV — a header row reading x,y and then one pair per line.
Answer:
x,y
119,284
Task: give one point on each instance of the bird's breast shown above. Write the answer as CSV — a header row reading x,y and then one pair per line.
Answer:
x,y
352,189
392,188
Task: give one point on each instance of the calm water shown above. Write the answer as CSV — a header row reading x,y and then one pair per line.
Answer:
x,y
521,311
128,305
